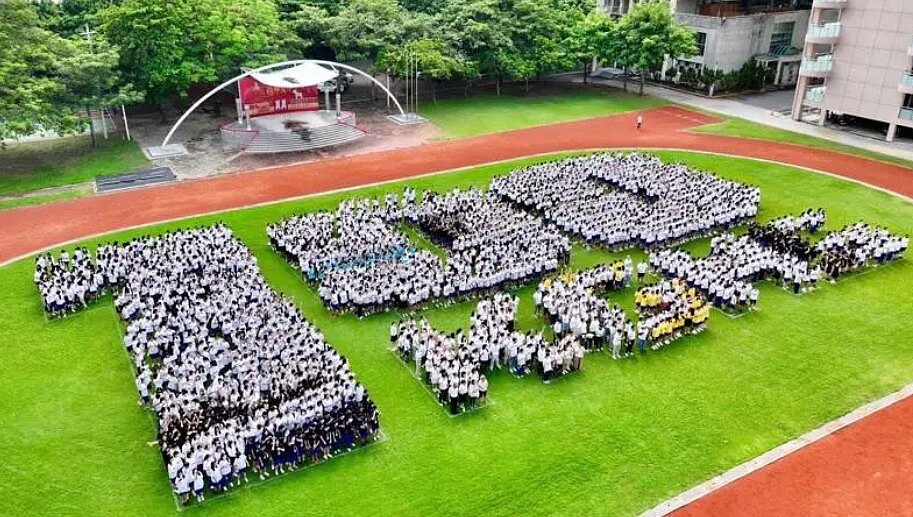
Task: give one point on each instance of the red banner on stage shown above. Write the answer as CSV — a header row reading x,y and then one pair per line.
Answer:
x,y
260,99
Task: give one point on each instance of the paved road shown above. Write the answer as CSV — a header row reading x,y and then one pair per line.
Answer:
x,y
770,101
759,110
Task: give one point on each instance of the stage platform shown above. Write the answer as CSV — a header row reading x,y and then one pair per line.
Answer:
x,y
297,131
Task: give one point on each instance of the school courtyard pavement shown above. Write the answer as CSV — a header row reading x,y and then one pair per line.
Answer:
x,y
760,108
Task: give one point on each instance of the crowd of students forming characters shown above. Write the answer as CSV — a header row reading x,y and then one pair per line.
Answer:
x,y
361,259
779,252
572,306
455,365
618,201
238,380
68,284
858,246
582,320
669,310
362,262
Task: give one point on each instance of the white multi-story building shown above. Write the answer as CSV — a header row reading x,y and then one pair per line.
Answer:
x,y
732,32
858,61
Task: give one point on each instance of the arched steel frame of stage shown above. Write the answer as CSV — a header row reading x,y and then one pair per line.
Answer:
x,y
217,89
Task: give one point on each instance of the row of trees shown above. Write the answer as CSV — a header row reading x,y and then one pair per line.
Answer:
x,y
48,81
57,60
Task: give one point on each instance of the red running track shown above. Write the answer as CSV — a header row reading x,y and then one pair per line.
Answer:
x,y
27,230
863,470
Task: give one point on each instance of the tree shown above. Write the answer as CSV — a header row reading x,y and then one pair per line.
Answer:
x,y
588,38
290,7
88,68
512,39
433,58
620,51
31,96
647,34
70,17
479,30
424,6
310,24
167,47
364,28
538,31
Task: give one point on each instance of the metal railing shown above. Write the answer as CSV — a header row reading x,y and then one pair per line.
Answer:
x,y
815,94
821,64
828,30
907,79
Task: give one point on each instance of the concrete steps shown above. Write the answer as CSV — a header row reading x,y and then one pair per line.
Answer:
x,y
134,179
318,137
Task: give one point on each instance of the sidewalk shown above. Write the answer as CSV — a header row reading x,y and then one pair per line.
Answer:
x,y
736,107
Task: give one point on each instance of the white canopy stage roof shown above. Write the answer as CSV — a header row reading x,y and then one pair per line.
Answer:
x,y
301,73
298,76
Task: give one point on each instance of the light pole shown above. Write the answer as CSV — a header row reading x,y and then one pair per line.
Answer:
x,y
88,33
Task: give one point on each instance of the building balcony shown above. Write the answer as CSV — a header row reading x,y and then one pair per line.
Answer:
x,y
615,8
829,4
823,34
905,114
906,83
733,8
814,95
818,67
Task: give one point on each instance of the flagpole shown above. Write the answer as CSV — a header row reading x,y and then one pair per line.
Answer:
x,y
408,80
123,112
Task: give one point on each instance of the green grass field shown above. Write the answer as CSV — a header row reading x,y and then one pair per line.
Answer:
x,y
488,113
613,440
37,165
740,127
19,202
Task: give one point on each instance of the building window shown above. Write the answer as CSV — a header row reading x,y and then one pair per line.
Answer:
x,y
701,39
782,35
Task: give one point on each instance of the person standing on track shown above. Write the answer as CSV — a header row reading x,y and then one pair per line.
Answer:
x,y
640,121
